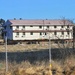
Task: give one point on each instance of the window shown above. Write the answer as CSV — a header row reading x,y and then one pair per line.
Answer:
x,y
40,33
31,33
55,26
68,33
17,33
67,26
47,26
23,26
45,33
55,33
62,33
23,33
10,27
31,26
40,26
17,27
62,26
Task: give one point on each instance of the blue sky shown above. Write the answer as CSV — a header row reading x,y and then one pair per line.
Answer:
x,y
37,9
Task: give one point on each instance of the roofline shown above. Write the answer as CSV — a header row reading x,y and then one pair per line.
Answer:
x,y
41,24
12,24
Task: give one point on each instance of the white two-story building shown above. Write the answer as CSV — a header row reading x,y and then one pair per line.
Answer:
x,y
38,29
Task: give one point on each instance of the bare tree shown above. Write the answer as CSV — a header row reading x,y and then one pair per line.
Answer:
x,y
65,47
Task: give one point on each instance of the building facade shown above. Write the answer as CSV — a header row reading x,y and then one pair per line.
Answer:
x,y
38,29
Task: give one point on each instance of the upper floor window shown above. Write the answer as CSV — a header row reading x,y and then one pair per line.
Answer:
x,y
40,26
17,27
23,26
67,26
47,26
31,26
55,26
62,26
10,27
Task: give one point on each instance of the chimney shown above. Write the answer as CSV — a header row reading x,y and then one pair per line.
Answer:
x,y
14,18
20,18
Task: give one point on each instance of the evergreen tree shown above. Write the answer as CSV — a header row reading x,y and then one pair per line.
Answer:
x,y
2,21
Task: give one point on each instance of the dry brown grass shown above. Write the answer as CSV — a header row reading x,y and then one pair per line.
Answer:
x,y
23,47
28,47
66,67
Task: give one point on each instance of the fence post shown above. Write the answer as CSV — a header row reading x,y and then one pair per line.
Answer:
x,y
50,63
6,55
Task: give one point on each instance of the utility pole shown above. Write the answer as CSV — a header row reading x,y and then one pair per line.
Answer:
x,y
49,44
50,65
6,54
73,36
49,50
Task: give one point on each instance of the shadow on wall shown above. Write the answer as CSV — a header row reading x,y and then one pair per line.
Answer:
x,y
36,55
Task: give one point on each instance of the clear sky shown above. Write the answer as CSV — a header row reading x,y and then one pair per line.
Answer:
x,y
37,9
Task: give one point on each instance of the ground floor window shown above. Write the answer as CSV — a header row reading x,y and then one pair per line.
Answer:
x,y
17,33
55,33
23,33
40,33
62,33
31,33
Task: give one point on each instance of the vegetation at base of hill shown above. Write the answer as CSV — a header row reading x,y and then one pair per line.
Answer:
x,y
59,67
